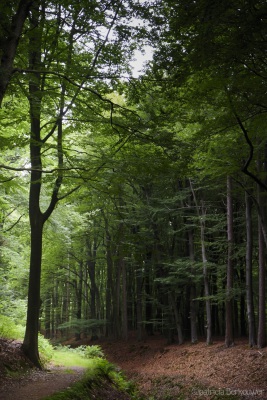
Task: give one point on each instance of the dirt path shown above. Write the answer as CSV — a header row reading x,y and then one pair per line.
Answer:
x,y
38,384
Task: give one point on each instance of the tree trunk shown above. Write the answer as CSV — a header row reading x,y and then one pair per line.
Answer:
x,y
177,316
193,295
48,318
91,265
30,343
139,303
124,301
201,217
78,284
229,334
206,278
262,277
148,294
109,286
249,280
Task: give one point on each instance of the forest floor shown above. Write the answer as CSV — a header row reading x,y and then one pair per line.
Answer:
x,y
160,370
200,371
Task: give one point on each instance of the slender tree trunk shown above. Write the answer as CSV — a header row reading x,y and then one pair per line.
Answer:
x,y
206,279
139,304
177,316
53,315
47,323
206,286
109,284
193,294
91,268
78,284
229,334
148,294
67,295
201,217
124,301
262,285
249,279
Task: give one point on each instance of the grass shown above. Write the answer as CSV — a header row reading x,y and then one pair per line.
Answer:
x,y
100,380
70,359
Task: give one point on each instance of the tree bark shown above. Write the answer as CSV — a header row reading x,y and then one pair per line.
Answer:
x,y
201,217
139,303
91,268
30,343
124,301
177,316
262,285
249,280
109,281
229,334
193,295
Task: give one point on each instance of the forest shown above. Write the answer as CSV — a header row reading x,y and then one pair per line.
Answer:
x,y
133,203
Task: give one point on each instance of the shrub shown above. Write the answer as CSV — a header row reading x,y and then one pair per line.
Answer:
x,y
93,352
45,349
9,330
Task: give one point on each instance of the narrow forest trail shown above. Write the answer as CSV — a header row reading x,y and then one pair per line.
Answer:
x,y
38,384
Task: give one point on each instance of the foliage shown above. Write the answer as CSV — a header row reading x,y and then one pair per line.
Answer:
x,y
63,355
9,329
100,378
46,349
81,324
93,351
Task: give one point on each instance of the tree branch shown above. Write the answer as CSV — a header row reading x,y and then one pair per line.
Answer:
x,y
15,223
251,147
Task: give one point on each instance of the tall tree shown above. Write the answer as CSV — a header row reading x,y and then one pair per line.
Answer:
x,y
52,103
